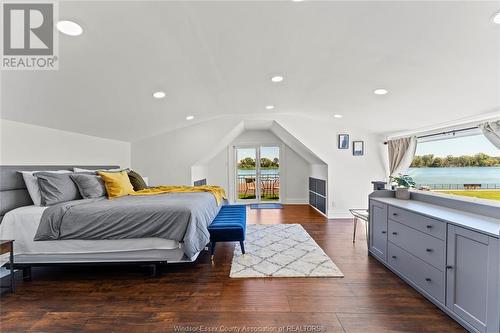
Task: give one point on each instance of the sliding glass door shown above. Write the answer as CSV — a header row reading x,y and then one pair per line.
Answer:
x,y
246,174
269,173
257,173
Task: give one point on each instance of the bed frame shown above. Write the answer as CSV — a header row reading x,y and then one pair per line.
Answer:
x,y
14,194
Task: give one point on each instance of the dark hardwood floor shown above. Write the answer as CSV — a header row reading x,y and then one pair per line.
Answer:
x,y
202,296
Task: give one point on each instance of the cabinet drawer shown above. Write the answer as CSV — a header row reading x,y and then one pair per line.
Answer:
x,y
426,247
419,272
425,224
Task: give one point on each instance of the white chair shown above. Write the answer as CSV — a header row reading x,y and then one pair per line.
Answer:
x,y
361,214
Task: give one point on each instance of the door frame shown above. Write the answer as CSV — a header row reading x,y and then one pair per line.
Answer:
x,y
234,172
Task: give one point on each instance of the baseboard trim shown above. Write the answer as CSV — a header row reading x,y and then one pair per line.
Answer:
x,y
316,209
295,202
340,215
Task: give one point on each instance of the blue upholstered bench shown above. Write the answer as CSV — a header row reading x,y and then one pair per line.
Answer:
x,y
228,226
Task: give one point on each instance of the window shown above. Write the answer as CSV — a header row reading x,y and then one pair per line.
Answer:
x,y
467,166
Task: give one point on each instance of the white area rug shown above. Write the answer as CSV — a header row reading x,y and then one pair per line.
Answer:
x,y
281,250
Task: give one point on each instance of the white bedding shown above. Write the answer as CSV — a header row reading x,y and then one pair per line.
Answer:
x,y
21,225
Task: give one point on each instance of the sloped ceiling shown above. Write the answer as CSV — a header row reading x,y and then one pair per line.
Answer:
x,y
272,126
295,144
439,60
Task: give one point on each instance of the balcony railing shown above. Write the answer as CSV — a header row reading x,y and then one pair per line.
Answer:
x,y
269,187
490,186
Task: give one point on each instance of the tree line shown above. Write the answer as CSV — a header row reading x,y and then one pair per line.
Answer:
x,y
249,163
478,160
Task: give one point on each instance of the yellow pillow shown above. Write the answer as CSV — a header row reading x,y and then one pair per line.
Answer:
x,y
117,183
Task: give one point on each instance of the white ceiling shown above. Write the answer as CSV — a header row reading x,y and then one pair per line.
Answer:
x,y
439,60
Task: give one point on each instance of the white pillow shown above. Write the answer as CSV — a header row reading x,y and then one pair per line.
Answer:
x,y
32,184
87,170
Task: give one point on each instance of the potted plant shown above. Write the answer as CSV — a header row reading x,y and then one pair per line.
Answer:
x,y
402,183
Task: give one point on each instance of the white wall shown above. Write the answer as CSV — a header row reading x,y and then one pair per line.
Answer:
x,y
168,158
319,171
217,170
296,175
25,144
349,177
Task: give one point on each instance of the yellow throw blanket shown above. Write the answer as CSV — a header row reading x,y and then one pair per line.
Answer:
x,y
217,191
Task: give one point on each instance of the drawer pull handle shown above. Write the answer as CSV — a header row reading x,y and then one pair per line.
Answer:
x,y
394,233
394,257
394,214
384,232
449,267
428,226
428,250
428,279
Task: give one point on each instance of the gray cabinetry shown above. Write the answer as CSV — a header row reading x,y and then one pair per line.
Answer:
x,y
423,246
451,257
423,223
378,229
427,277
472,278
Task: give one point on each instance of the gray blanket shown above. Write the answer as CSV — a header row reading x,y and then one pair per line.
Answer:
x,y
183,217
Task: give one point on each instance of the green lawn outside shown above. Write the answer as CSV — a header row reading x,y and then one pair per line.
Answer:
x,y
483,194
267,197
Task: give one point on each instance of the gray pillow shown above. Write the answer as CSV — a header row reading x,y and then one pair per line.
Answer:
x,y
32,184
90,186
56,188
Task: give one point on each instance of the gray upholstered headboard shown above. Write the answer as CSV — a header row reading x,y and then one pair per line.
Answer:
x,y
13,192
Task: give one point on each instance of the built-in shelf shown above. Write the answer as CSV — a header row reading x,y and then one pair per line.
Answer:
x,y
317,194
200,182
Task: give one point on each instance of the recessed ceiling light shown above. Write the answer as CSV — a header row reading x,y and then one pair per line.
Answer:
x,y
69,28
189,117
380,91
269,107
337,116
297,0
277,78
496,18
159,94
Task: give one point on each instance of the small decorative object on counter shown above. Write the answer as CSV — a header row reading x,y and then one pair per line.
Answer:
x,y
402,193
402,184
378,185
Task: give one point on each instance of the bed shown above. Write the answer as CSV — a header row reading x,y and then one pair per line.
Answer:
x,y
20,221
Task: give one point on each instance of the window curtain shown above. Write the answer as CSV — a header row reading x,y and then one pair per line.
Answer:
x,y
491,131
401,153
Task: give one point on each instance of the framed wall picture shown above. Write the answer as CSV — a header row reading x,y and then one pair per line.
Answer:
x,y
358,148
343,141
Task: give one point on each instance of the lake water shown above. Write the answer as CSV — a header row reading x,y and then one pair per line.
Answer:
x,y
426,176
245,172
477,175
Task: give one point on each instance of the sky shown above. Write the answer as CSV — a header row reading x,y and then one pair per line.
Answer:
x,y
269,152
468,145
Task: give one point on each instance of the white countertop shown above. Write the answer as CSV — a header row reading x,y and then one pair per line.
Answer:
x,y
485,224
